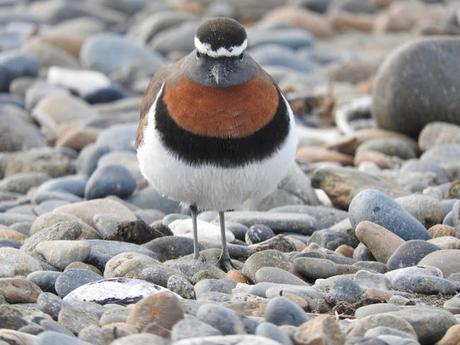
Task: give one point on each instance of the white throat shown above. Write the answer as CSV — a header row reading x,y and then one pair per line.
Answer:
x,y
205,48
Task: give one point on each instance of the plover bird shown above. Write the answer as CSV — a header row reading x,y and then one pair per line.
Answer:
x,y
214,128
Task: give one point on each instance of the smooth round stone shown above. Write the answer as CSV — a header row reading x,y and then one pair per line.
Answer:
x,y
191,328
270,331
383,330
427,210
453,305
315,268
113,291
389,146
88,158
181,34
108,53
278,55
9,219
71,184
72,279
223,319
140,339
124,134
162,308
104,95
289,37
331,239
345,289
277,275
228,340
361,326
379,208
14,65
447,260
267,258
279,222
15,262
151,199
452,336
282,311
399,107
126,158
207,232
17,132
50,304
44,279
10,244
438,133
366,280
60,254
443,154
110,180
54,338
181,286
415,165
170,247
18,290
427,285
214,285
258,233
410,254
325,216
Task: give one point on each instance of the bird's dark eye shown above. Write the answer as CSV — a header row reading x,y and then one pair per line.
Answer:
x,y
198,54
241,56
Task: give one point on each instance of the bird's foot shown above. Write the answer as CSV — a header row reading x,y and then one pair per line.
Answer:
x,y
226,264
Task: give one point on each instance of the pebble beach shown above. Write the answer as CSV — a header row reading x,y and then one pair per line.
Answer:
x,y
358,245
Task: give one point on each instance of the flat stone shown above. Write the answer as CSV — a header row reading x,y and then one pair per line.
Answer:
x,y
268,258
427,285
140,339
50,304
207,232
343,184
277,275
60,254
76,319
315,268
452,336
228,340
379,208
170,247
86,210
427,210
281,311
278,222
72,279
44,279
360,326
18,290
273,332
113,291
325,216
447,260
110,180
15,262
410,254
54,338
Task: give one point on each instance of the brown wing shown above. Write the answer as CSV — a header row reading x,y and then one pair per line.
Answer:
x,y
149,97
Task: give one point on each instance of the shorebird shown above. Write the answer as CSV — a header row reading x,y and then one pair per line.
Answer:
x,y
215,129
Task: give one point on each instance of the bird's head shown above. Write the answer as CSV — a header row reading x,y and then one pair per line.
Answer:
x,y
220,51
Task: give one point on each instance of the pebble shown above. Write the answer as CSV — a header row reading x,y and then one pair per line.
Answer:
x,y
281,311
267,258
277,275
191,328
379,208
53,338
76,319
323,328
447,260
424,284
427,210
399,70
111,228
72,279
278,222
410,253
207,232
44,279
60,254
451,337
315,268
381,242
345,289
441,230
228,340
50,304
258,233
162,308
181,286
16,263
361,326
110,180
270,331
97,53
139,339
71,184
221,318
170,247
19,290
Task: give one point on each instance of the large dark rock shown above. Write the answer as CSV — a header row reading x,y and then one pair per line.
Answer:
x,y
417,84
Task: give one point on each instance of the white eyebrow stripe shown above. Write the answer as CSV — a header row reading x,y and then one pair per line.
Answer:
x,y
205,48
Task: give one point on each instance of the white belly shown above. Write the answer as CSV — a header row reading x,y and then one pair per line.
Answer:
x,y
208,186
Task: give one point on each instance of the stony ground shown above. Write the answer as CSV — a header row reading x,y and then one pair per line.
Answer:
x,y
358,245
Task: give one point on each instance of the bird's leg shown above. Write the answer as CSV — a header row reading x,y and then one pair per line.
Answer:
x,y
224,261
196,250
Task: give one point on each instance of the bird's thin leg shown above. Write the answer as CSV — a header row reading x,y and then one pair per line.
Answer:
x,y
196,250
224,261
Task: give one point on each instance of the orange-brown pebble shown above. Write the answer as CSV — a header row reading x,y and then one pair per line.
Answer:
x,y
14,235
237,276
452,336
346,21
345,250
74,137
321,154
302,303
441,230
